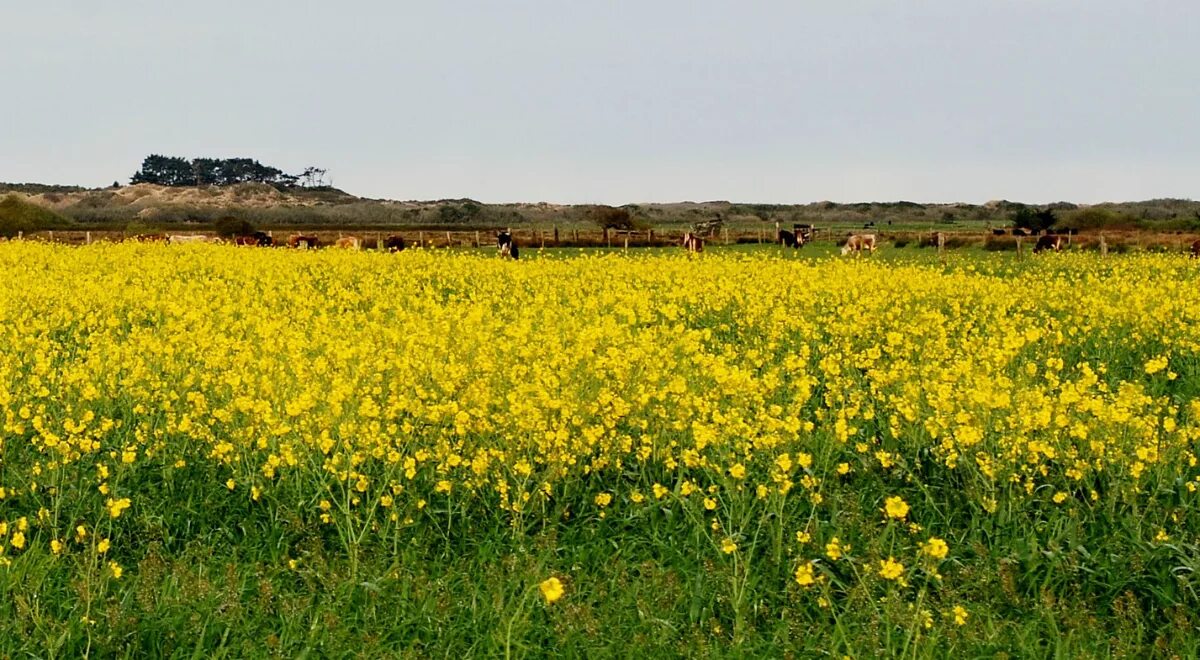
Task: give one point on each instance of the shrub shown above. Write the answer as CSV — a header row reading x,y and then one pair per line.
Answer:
x,y
18,215
231,226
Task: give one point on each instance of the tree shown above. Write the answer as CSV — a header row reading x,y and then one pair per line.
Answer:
x,y
1036,220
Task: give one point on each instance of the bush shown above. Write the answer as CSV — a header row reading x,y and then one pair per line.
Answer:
x,y
18,215
231,226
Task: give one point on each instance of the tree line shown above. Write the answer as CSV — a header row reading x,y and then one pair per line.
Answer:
x,y
180,172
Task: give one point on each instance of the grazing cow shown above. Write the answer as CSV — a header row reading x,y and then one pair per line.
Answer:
x,y
692,242
1017,231
998,232
1196,249
348,243
790,239
303,241
178,239
257,239
394,243
507,245
857,243
1048,242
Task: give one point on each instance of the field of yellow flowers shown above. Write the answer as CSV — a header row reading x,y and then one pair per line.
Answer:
x,y
236,452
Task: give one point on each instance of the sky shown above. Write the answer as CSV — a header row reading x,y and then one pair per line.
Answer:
x,y
619,101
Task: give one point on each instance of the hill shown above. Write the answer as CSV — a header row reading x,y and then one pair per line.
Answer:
x,y
271,206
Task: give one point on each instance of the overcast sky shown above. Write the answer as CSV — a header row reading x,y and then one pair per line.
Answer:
x,y
619,101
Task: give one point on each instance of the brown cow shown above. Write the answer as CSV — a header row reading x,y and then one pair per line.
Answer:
x,y
1196,249
348,243
1048,242
857,243
303,241
394,243
692,242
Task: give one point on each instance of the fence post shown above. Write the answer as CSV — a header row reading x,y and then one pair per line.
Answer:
x,y
421,239
542,237
941,244
1103,246
556,234
1019,247
626,241
449,241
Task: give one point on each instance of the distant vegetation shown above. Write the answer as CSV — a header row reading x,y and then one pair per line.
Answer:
x,y
175,171
17,215
264,196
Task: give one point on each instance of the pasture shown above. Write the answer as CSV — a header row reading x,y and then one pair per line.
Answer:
x,y
212,451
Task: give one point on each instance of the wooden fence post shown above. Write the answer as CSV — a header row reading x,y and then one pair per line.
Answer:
x,y
1103,246
626,241
556,234
941,245
725,230
449,241
1018,247
420,239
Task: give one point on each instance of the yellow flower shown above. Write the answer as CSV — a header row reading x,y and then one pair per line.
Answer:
x,y
116,570
552,589
603,499
890,569
1060,497
935,548
230,484
895,507
738,471
18,540
710,503
56,546
102,546
1155,365
660,491
803,537
960,615
843,468
728,546
834,549
115,507
804,574
636,497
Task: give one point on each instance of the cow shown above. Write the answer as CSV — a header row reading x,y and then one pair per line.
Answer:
x,y
857,243
348,243
394,243
1196,248
692,242
1017,231
998,232
507,245
1048,242
790,239
303,241
257,239
179,239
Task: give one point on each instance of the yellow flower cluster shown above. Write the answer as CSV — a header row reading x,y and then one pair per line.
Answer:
x,y
375,384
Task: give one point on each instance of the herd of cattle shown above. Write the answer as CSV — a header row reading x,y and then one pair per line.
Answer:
x,y
507,244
